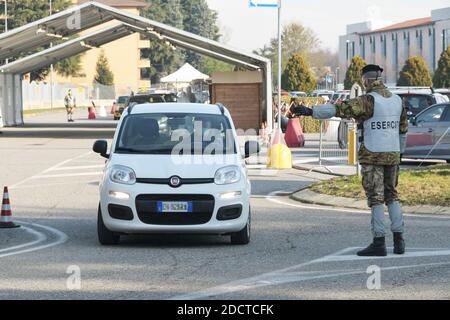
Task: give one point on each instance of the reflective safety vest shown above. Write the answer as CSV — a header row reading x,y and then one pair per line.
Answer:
x,y
382,131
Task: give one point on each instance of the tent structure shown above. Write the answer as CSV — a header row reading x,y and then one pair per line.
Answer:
x,y
186,74
19,46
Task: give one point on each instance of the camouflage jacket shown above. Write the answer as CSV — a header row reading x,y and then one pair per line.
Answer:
x,y
361,109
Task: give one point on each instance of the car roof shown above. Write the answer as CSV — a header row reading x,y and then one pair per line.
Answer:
x,y
177,108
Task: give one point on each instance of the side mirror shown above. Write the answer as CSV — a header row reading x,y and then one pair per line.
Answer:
x,y
101,147
251,148
413,121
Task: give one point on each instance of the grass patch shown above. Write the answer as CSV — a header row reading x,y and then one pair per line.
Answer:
x,y
424,186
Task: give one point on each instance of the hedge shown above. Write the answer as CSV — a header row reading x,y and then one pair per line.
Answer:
x,y
309,124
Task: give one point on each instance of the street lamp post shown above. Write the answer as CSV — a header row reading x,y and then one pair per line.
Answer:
x,y
279,70
51,66
6,21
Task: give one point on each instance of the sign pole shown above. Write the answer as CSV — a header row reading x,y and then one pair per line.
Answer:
x,y
279,70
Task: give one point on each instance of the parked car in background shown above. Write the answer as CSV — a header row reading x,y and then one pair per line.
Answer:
x,y
120,104
340,96
429,134
419,99
298,94
445,92
146,98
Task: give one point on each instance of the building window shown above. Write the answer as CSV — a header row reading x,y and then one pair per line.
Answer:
x,y
145,73
144,54
395,50
363,48
353,49
445,39
374,45
384,45
419,39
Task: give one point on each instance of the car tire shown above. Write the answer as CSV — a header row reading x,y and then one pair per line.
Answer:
x,y
242,237
448,161
105,236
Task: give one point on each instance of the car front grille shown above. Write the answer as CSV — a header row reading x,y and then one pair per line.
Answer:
x,y
202,209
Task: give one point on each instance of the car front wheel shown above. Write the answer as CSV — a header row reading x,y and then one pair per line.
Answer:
x,y
242,237
105,236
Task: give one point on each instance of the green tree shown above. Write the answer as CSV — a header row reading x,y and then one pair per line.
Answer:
x,y
190,15
163,58
354,73
441,78
104,74
199,19
415,74
297,76
210,65
295,39
70,67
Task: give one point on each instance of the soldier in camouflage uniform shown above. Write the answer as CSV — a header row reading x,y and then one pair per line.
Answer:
x,y
383,124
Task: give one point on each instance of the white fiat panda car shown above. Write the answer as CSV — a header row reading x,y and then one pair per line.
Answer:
x,y
174,168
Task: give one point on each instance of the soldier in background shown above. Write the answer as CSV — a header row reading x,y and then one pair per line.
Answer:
x,y
383,124
70,104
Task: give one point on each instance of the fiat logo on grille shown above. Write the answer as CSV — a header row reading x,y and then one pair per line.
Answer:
x,y
175,181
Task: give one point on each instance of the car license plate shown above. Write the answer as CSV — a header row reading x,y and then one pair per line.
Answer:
x,y
175,207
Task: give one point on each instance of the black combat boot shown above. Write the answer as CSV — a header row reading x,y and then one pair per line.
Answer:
x,y
376,249
399,243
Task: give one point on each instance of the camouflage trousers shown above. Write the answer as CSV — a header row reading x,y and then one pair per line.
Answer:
x,y
380,183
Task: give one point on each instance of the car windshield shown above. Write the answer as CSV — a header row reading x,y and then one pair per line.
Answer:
x,y
146,99
176,133
417,103
122,99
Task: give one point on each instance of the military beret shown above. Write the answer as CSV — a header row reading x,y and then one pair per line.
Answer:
x,y
372,68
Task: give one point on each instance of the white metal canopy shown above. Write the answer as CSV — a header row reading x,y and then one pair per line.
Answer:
x,y
21,44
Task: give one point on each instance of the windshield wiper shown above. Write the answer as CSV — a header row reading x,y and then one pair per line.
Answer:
x,y
131,150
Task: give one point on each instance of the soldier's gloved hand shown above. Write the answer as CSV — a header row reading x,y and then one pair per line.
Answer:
x,y
301,111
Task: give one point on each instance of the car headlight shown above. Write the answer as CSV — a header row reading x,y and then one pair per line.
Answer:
x,y
123,175
227,175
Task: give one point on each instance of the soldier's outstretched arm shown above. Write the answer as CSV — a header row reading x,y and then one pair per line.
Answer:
x,y
360,108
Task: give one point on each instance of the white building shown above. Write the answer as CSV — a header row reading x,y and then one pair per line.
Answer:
x,y
391,46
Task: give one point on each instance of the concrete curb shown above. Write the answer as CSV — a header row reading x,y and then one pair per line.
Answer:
x,y
310,197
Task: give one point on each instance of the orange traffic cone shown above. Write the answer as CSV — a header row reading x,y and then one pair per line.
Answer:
x,y
6,215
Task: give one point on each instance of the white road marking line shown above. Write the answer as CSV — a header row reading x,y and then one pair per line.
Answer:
x,y
286,275
273,197
50,169
40,237
79,167
61,238
281,277
408,254
53,184
68,175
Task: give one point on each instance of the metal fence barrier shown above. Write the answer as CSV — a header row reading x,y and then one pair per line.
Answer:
x,y
337,143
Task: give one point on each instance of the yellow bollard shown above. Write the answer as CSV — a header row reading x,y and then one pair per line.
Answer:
x,y
279,157
352,147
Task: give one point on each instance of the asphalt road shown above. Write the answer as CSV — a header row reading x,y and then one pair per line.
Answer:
x,y
297,251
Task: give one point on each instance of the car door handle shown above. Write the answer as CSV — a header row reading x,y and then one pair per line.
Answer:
x,y
430,130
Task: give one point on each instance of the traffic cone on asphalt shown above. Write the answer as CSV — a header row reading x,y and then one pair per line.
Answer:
x,y
6,214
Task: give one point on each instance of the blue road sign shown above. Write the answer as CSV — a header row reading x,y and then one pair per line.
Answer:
x,y
263,3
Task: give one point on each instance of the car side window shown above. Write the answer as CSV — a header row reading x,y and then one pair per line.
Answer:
x,y
447,114
431,115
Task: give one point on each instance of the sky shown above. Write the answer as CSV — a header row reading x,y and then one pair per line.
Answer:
x,y
250,28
